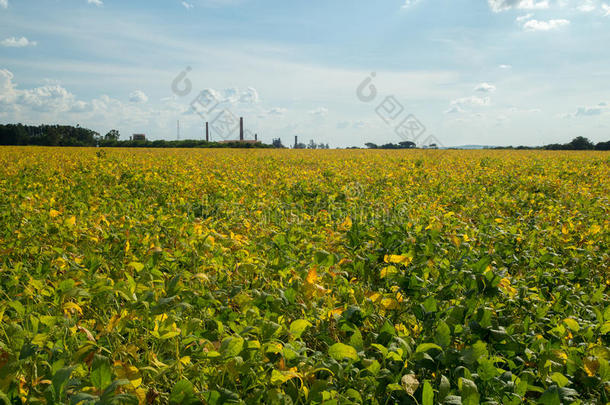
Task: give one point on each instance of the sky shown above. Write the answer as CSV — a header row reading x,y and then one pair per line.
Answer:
x,y
342,72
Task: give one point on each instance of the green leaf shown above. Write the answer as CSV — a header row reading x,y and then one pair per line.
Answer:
x,y
137,266
182,393
550,396
443,334
424,347
232,346
340,351
59,380
487,369
469,391
101,374
572,324
474,353
428,394
560,379
18,307
356,340
298,327
444,388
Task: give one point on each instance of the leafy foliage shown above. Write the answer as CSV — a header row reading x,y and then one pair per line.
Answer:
x,y
276,276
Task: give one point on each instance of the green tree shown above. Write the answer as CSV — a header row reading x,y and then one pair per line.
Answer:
x,y
112,135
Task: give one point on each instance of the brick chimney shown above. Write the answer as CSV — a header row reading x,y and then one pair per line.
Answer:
x,y
207,132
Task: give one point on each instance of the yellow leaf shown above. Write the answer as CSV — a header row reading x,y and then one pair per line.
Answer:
x,y
312,276
507,287
114,321
374,297
128,372
335,312
70,221
572,324
400,259
346,224
141,394
185,360
388,272
591,365
595,229
54,213
390,303
137,266
71,308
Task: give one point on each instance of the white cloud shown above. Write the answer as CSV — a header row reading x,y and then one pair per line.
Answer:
x,y
485,88
462,105
591,111
522,18
138,96
471,101
49,98
319,112
409,3
7,89
505,67
14,42
503,5
249,96
587,6
588,111
187,5
277,111
454,110
97,3
3,3
535,25
606,10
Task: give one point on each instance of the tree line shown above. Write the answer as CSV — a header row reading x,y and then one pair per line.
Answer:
x,y
66,135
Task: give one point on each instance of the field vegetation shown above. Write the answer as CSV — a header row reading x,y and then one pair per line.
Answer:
x,y
276,276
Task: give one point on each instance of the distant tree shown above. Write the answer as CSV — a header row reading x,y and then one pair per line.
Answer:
x,y
371,145
312,145
277,143
300,146
581,143
112,135
407,144
603,146
433,146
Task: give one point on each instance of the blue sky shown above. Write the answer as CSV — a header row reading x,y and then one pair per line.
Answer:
x,y
494,72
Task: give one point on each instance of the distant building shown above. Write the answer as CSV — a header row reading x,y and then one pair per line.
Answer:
x,y
138,137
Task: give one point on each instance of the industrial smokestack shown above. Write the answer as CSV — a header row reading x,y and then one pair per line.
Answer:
x,y
241,128
207,133
256,137
296,141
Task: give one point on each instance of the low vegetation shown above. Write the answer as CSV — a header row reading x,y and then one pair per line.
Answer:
x,y
275,276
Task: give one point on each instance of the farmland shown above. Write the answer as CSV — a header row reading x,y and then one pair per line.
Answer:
x,y
235,276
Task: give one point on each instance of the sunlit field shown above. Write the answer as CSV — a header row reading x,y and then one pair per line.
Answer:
x,y
283,276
